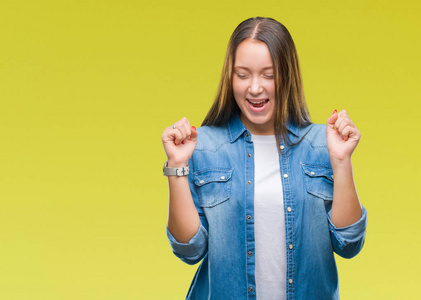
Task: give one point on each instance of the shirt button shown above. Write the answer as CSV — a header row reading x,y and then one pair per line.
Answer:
x,y
312,173
248,182
282,147
249,253
289,209
248,217
290,246
247,134
250,289
285,175
290,280
222,177
202,181
248,154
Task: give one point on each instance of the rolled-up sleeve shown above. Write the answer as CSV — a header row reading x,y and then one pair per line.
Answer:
x,y
193,251
348,241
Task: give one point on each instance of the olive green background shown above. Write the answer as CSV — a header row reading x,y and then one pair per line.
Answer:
x,y
87,87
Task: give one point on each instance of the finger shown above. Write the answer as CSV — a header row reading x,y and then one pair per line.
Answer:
x,y
351,132
343,120
183,122
171,135
178,136
184,126
332,119
187,125
182,130
168,134
179,125
194,134
346,121
346,132
343,113
187,129
342,117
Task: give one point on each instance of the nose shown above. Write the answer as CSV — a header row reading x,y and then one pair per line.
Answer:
x,y
255,87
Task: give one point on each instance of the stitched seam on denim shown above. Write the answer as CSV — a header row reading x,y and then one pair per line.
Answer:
x,y
308,186
306,178
310,139
204,148
234,138
227,170
245,213
325,166
225,196
292,226
289,224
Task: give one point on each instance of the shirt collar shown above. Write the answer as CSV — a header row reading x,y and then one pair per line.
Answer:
x,y
236,128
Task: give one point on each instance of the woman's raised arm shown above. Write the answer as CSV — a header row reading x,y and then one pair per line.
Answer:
x,y
179,141
342,139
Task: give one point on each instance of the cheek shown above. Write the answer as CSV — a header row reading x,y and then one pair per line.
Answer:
x,y
270,88
239,86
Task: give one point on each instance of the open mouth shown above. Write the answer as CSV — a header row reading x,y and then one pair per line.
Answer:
x,y
258,103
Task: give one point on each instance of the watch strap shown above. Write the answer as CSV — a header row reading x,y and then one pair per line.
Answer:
x,y
180,171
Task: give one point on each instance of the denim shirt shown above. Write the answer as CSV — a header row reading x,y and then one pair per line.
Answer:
x,y
222,185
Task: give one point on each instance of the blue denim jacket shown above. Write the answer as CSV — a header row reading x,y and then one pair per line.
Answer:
x,y
222,185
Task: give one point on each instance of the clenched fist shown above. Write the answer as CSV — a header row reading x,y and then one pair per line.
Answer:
x,y
342,136
179,141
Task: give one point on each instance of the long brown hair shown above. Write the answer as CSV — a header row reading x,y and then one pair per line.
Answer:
x,y
290,103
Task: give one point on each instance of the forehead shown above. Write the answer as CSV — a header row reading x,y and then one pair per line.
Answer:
x,y
252,53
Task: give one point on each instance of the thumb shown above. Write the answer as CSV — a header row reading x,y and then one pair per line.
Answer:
x,y
332,119
194,134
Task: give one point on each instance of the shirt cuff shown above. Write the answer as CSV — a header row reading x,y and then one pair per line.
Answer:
x,y
194,249
352,233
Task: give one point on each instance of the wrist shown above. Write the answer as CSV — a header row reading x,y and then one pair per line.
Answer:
x,y
176,164
340,163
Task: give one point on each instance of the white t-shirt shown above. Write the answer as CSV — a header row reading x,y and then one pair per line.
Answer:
x,y
269,226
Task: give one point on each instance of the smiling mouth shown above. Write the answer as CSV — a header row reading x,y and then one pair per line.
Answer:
x,y
258,103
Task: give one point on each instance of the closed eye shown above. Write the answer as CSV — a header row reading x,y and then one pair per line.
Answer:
x,y
241,75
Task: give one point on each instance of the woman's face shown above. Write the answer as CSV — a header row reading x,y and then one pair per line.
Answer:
x,y
254,86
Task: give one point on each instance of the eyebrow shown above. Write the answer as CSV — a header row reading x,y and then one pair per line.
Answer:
x,y
241,67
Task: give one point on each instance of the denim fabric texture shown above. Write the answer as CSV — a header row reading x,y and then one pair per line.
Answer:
x,y
222,185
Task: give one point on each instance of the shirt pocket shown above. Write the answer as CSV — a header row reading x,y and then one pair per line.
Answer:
x,y
213,186
319,181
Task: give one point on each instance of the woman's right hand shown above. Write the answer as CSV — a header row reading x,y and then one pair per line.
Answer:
x,y
179,143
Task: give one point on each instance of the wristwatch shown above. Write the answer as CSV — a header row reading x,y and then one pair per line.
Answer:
x,y
181,171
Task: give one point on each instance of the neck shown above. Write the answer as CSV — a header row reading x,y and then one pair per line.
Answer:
x,y
258,129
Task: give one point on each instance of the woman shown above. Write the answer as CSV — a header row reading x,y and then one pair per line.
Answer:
x,y
269,196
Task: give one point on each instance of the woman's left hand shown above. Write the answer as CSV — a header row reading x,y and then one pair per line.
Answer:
x,y
342,136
